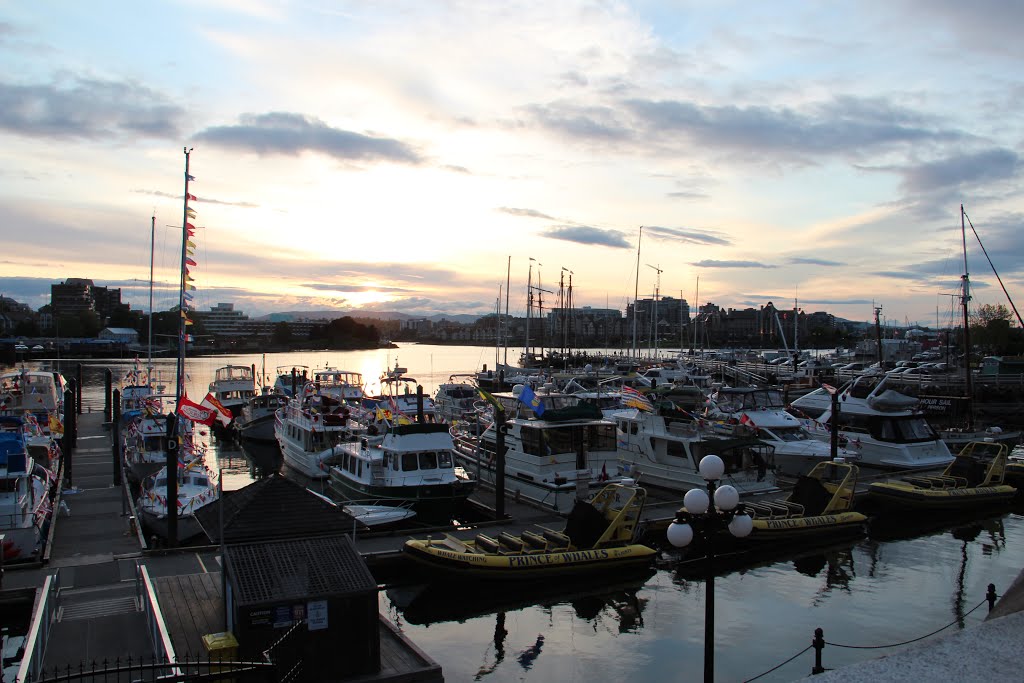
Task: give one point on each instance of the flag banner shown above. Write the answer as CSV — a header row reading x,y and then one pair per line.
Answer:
x,y
531,399
190,244
189,338
191,228
634,399
191,262
191,197
223,414
190,177
490,399
191,213
745,420
190,287
196,413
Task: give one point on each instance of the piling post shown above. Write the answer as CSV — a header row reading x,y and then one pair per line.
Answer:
x,y
67,442
499,463
78,389
991,596
115,437
819,644
108,383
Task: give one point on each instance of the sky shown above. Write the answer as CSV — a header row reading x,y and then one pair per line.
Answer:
x,y
415,156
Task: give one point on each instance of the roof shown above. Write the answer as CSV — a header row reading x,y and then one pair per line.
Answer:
x,y
120,330
297,570
274,507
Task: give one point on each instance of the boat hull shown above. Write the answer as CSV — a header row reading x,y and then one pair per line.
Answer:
x,y
825,527
188,526
443,562
431,502
903,495
257,429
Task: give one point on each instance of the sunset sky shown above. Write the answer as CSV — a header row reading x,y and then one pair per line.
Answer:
x,y
396,155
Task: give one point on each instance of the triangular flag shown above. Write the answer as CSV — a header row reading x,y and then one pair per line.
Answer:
x,y
190,212
191,262
191,196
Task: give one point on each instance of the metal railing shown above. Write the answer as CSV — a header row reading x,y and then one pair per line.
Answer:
x,y
163,649
47,603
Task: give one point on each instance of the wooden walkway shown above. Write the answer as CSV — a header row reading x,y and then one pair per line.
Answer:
x,y
192,606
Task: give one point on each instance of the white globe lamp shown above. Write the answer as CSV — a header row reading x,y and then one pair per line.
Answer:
x,y
679,535
741,526
727,497
711,468
696,501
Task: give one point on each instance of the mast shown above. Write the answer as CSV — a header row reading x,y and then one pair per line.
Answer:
x,y
636,288
965,298
508,283
527,350
878,335
696,313
152,245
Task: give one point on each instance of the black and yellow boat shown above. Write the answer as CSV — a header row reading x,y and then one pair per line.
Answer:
x,y
599,535
819,508
975,479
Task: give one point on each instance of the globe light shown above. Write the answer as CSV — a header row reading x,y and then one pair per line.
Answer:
x,y
727,497
741,526
696,501
711,468
679,535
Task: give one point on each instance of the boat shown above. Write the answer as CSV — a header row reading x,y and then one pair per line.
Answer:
x,y
380,517
145,437
456,400
882,426
599,536
414,464
37,398
975,479
310,428
399,396
233,386
760,412
289,379
549,460
663,446
196,488
819,508
256,422
26,496
344,386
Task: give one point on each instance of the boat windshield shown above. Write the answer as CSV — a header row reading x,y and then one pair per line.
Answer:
x,y
788,433
569,439
902,430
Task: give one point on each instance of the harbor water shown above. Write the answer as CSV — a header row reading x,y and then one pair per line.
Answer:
x,y
888,588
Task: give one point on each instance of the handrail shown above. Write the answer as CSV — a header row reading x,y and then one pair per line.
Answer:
x,y
162,646
47,602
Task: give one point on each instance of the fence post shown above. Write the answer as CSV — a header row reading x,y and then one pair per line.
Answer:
x,y
819,644
991,596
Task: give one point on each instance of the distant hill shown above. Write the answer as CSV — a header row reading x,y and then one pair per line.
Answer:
x,y
290,316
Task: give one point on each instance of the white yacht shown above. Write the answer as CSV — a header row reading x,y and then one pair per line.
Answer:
x,y
549,460
197,488
256,423
663,448
233,386
309,430
25,496
344,386
882,426
456,399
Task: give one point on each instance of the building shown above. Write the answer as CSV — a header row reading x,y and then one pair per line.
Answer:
x,y
75,296
221,320
121,335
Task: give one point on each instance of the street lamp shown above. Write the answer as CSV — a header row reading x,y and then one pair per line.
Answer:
x,y
701,517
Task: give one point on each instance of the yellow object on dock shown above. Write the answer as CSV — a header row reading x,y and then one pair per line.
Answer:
x,y
222,646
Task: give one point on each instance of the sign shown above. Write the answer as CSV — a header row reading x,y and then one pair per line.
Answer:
x,y
282,616
316,615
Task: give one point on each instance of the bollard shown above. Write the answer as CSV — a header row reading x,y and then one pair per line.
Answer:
x,y
115,437
819,644
991,596
108,382
78,390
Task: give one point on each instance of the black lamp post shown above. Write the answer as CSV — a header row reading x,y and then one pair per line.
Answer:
x,y
700,516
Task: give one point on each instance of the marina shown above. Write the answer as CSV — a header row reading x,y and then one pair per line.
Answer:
x,y
573,631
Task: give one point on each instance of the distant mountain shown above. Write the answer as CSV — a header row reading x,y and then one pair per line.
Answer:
x,y
290,316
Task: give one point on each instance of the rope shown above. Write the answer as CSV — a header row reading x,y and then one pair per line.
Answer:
x,y
906,642
780,665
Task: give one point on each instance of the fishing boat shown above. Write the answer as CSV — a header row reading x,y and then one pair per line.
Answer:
x,y
233,386
196,488
549,460
309,430
414,464
975,479
26,496
256,423
663,446
820,507
599,536
881,425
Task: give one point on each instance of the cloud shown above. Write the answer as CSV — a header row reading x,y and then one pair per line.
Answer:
x,y
708,263
353,287
805,260
587,235
688,235
87,108
201,200
526,213
291,134
951,172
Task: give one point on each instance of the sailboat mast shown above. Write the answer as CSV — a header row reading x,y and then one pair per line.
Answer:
x,y
696,313
182,329
636,289
508,283
965,298
152,246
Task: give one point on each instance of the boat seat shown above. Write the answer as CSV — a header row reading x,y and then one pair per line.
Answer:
x,y
455,544
922,482
487,544
535,541
758,510
793,509
511,542
555,538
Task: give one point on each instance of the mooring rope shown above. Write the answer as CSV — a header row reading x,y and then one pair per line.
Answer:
x,y
906,642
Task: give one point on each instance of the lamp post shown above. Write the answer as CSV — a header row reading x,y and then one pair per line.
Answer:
x,y
701,517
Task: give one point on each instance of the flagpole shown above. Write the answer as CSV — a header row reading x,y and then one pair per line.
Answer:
x,y
152,245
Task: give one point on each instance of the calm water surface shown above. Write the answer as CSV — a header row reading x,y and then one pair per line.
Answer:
x,y
651,628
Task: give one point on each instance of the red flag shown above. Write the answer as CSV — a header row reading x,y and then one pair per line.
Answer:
x,y
223,414
745,420
196,413
192,197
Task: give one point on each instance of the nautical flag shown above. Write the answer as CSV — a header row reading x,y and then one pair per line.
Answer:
x,y
196,412
191,196
531,399
189,338
191,262
634,399
490,399
745,420
223,414
191,213
190,177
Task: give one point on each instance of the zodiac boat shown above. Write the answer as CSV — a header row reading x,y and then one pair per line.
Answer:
x,y
599,535
974,479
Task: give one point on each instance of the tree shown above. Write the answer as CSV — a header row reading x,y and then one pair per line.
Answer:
x,y
282,333
988,313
